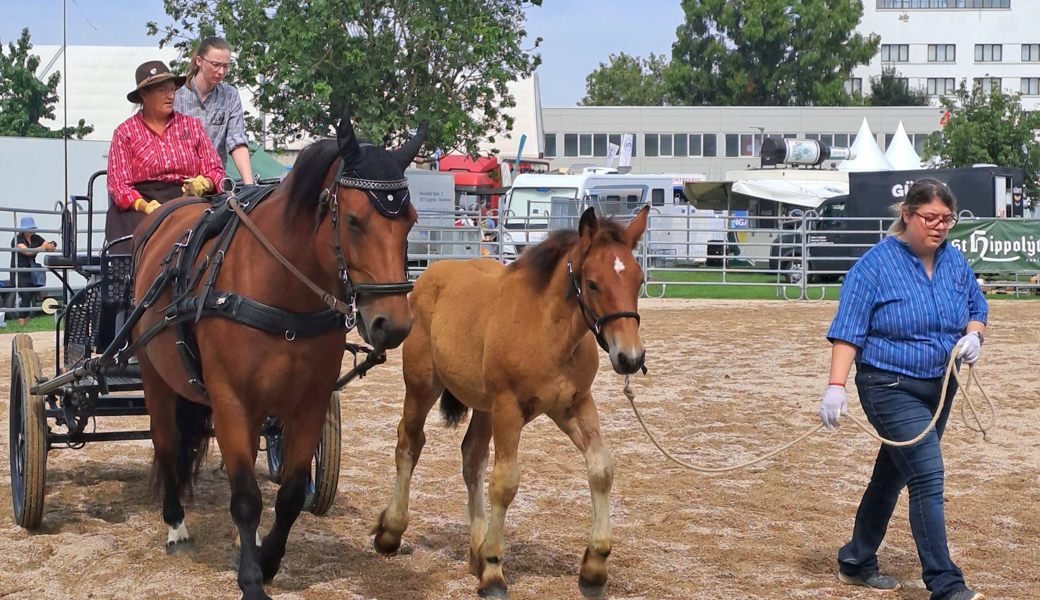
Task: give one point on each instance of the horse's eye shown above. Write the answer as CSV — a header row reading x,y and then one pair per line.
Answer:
x,y
353,222
592,286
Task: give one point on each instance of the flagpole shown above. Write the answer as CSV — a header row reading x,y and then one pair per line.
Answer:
x,y
65,97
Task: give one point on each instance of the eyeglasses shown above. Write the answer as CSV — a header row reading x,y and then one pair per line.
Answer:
x,y
933,220
166,90
218,65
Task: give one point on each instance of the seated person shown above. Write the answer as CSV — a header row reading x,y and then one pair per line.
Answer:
x,y
30,244
157,155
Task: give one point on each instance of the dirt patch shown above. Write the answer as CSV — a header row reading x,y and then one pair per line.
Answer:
x,y
728,380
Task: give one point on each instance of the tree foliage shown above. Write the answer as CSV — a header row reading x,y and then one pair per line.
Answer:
x,y
889,89
988,128
393,63
627,81
768,52
24,99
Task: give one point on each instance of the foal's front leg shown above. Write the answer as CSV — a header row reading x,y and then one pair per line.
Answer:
x,y
507,420
581,424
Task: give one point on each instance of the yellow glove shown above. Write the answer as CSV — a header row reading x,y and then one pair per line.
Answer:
x,y
197,186
142,205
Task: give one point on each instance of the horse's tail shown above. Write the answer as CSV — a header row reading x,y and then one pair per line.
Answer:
x,y
194,424
452,410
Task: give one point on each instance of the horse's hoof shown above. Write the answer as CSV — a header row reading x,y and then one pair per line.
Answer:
x,y
235,557
384,548
590,591
494,592
182,547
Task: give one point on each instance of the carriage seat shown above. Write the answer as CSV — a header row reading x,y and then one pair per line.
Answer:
x,y
83,259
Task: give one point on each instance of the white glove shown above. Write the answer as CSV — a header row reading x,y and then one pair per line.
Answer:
x,y
970,347
835,403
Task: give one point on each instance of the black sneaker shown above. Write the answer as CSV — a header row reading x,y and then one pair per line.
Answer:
x,y
967,595
877,581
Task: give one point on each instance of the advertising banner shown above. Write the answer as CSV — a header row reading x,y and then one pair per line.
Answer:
x,y
993,245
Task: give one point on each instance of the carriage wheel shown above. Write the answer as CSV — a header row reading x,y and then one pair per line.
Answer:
x,y
28,419
22,340
324,479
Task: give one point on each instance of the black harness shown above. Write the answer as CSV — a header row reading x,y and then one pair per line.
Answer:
x,y
221,221
594,321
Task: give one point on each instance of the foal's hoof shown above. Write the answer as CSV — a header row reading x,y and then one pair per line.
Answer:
x,y
590,591
181,547
494,591
235,557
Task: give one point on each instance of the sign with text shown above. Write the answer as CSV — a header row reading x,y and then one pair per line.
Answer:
x,y
993,245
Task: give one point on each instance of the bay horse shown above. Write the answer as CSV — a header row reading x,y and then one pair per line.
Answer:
x,y
513,343
336,221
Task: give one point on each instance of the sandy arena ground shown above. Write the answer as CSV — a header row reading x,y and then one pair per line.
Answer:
x,y
728,380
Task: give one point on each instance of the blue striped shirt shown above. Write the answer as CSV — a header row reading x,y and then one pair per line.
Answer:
x,y
221,114
901,320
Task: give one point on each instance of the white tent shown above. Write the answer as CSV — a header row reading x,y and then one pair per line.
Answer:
x,y
868,156
901,152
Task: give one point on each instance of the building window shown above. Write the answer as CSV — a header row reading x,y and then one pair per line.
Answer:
x,y
944,3
748,145
711,145
989,52
942,53
895,53
854,86
919,140
841,140
940,86
679,147
615,138
635,144
570,144
650,144
666,144
1030,52
1030,86
695,144
988,84
585,144
550,145
732,145
599,144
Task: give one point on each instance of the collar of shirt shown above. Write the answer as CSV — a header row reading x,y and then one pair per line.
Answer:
x,y
139,115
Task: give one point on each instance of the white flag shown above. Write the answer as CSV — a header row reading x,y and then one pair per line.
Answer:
x,y
612,150
626,150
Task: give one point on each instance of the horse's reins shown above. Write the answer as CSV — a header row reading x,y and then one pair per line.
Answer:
x,y
951,369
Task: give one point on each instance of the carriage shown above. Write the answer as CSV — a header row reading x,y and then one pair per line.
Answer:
x,y
93,381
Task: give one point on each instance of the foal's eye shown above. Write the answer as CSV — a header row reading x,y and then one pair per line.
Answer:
x,y
353,222
592,286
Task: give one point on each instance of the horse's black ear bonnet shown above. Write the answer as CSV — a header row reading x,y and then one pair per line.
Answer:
x,y
382,179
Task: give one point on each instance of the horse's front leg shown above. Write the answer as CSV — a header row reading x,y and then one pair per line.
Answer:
x,y
239,439
506,421
581,424
301,434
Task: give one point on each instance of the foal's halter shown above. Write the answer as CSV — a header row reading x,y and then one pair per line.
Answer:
x,y
594,321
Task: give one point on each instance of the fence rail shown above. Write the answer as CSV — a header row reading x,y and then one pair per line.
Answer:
x,y
797,256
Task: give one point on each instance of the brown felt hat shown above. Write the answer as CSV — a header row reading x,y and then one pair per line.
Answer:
x,y
151,73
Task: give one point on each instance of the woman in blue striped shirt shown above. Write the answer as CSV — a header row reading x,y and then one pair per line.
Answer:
x,y
903,308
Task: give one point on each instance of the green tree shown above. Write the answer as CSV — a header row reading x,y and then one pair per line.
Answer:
x,y
889,89
988,128
627,81
393,63
767,52
24,99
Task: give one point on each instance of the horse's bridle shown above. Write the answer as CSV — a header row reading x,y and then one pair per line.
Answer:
x,y
594,321
381,195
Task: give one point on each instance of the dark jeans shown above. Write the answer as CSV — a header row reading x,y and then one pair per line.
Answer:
x,y
899,408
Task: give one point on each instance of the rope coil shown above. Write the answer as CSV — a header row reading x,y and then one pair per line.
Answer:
x,y
951,369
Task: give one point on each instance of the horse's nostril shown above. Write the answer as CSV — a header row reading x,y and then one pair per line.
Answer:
x,y
378,325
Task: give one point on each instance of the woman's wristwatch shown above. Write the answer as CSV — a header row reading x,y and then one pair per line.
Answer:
x,y
982,339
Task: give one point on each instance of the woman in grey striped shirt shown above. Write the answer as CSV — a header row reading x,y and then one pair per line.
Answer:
x,y
215,103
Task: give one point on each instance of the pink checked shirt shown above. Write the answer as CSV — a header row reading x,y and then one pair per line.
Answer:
x,y
138,154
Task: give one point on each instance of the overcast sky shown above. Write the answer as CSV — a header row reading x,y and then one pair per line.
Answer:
x,y
577,34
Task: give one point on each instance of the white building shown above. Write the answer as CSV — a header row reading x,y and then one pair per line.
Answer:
x,y
937,44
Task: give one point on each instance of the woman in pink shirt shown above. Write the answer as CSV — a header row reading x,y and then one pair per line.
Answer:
x,y
156,155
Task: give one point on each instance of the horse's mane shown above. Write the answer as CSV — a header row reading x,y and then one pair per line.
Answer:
x,y
307,178
540,261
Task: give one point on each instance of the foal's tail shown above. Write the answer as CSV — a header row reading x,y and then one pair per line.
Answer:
x,y
452,410
195,425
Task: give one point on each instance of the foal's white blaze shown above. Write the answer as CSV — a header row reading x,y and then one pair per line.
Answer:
x,y
618,266
178,534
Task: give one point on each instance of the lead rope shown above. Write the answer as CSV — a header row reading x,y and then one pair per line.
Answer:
x,y
951,369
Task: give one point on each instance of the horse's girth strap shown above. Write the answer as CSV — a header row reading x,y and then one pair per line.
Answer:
x,y
330,300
